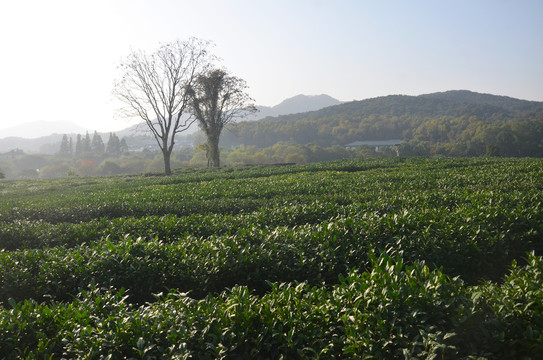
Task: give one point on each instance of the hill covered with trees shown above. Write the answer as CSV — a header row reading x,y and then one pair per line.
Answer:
x,y
452,123
456,123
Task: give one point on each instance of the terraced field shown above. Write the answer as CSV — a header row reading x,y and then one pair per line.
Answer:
x,y
386,258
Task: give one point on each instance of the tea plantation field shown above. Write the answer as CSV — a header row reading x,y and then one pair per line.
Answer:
x,y
357,259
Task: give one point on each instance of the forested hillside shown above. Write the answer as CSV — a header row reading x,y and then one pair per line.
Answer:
x,y
457,123
504,102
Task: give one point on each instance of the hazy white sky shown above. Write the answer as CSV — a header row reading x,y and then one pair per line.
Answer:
x,y
59,57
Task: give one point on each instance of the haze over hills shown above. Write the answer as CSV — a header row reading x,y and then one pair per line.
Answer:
x,y
294,105
36,129
456,116
33,136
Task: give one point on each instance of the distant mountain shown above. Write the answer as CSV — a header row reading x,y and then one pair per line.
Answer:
x,y
294,105
505,102
429,105
43,145
36,129
452,117
447,117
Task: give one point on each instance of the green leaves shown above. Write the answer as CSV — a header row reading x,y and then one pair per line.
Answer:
x,y
359,259
393,311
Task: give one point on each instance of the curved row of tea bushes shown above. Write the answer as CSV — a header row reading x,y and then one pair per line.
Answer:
x,y
393,311
506,212
175,195
80,200
475,243
38,234
204,231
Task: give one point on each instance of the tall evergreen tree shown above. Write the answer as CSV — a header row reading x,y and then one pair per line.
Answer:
x,y
65,146
97,144
78,145
113,145
123,146
87,143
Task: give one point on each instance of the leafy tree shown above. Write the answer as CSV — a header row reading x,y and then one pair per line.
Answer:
x,y
2,176
295,158
33,162
109,167
28,173
132,165
217,99
154,88
87,167
55,170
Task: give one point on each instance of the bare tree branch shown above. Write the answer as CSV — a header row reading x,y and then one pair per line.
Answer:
x,y
154,88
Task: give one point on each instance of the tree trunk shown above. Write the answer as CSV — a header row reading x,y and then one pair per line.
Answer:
x,y
213,149
167,168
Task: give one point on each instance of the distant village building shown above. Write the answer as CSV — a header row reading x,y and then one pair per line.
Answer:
x,y
375,143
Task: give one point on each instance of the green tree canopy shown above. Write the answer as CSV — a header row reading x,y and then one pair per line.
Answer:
x,y
217,99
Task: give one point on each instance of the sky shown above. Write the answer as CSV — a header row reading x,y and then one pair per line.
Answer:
x,y
59,58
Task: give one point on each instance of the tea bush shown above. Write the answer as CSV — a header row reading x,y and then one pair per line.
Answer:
x,y
385,258
394,311
252,255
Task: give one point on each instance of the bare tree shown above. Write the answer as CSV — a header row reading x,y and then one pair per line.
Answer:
x,y
218,99
154,88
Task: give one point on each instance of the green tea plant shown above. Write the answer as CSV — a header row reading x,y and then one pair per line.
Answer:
x,y
382,258
394,311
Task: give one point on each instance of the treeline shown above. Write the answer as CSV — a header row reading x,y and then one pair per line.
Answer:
x,y
455,123
65,163
289,153
434,124
519,137
94,145
84,156
445,135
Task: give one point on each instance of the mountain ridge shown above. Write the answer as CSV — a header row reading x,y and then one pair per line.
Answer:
x,y
403,117
433,104
507,102
340,122
39,129
296,104
35,129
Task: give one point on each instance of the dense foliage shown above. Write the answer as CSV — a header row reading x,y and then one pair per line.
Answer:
x,y
19,165
382,258
455,123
